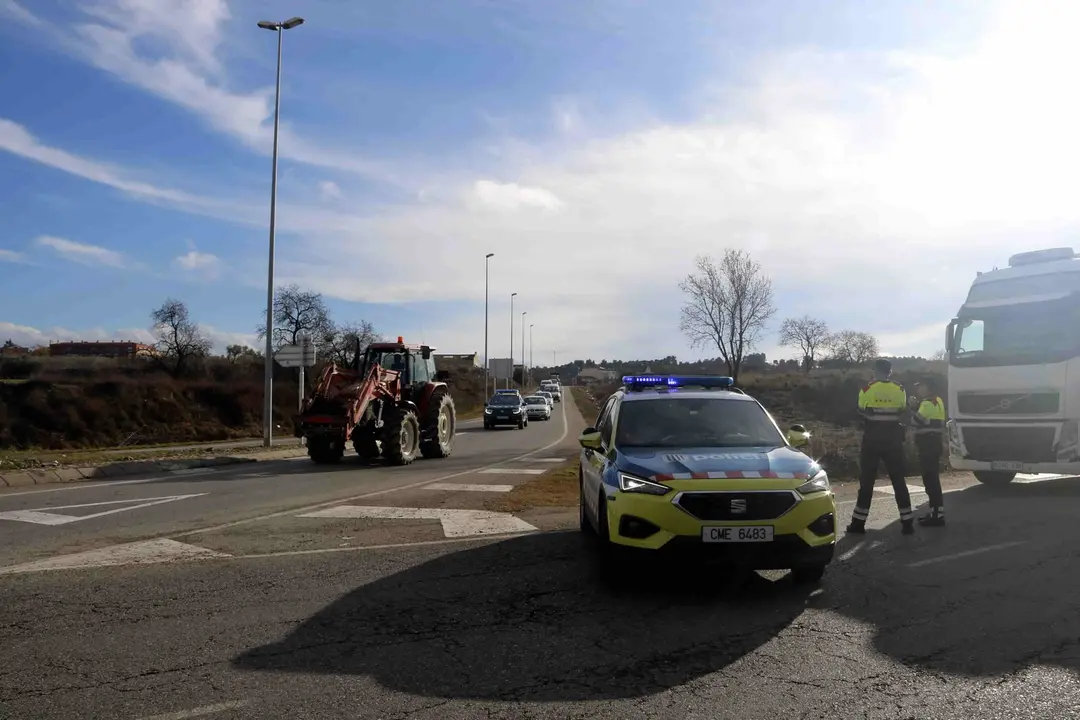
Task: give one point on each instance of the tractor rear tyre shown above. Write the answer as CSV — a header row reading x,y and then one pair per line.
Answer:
x,y
401,437
324,452
439,425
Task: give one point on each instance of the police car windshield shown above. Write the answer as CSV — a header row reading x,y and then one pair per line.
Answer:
x,y
695,422
506,399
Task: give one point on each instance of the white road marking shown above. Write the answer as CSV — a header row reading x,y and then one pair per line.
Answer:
x,y
200,711
419,483
41,516
967,553
136,553
81,486
853,551
486,539
511,471
466,487
551,460
455,523
1023,479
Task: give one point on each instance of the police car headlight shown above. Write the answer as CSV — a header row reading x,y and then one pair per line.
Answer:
x,y
631,484
517,410
818,483
488,411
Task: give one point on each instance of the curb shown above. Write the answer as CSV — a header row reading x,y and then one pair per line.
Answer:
x,y
44,476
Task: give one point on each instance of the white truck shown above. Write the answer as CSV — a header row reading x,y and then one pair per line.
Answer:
x,y
1014,370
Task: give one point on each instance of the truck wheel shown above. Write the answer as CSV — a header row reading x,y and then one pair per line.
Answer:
x,y
401,438
322,452
439,426
994,478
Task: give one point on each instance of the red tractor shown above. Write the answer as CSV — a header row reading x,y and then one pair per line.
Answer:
x,y
391,402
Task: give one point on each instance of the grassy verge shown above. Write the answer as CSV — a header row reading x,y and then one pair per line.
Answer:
x,y
587,404
557,487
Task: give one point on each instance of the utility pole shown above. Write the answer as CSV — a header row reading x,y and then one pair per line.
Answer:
x,y
523,348
509,382
487,361
531,366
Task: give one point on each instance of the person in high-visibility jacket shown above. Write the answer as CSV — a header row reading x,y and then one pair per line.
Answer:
x,y
882,404
928,423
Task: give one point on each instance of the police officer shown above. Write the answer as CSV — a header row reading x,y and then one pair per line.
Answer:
x,y
882,405
928,422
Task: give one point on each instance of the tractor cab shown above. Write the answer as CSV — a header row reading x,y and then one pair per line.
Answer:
x,y
414,363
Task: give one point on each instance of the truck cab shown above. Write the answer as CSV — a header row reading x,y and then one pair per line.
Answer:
x,y
1014,370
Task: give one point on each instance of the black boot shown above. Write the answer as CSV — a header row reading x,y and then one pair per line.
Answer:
x,y
857,526
935,518
907,527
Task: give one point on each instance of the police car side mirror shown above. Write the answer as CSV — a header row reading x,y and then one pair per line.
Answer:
x,y
590,439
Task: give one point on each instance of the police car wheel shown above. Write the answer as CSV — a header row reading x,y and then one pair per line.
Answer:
x,y
806,574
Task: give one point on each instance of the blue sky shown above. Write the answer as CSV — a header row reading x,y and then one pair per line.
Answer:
x,y
871,159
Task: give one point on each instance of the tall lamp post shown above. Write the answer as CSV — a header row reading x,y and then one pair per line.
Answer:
x,y
487,362
268,361
523,348
511,380
530,349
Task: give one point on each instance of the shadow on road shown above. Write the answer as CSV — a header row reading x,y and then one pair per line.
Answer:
x,y
526,619
992,593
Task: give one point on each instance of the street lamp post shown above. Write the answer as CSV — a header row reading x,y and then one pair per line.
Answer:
x,y
530,348
511,380
487,362
523,348
268,361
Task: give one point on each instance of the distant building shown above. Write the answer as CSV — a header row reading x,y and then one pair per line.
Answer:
x,y
122,349
460,361
10,349
591,375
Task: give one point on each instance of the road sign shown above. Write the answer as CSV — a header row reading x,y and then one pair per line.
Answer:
x,y
500,368
302,354
455,523
44,516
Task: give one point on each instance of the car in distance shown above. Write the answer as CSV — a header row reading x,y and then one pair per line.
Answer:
x,y
547,396
695,467
555,390
505,409
537,407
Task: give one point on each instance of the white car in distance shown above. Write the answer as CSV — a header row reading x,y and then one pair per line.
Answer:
x,y
537,407
547,396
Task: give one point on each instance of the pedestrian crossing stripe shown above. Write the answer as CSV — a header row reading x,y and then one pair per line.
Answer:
x,y
912,489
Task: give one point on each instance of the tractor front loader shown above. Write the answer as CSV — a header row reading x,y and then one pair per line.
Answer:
x,y
390,402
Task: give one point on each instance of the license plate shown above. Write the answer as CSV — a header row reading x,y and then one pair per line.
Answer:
x,y
1007,465
743,533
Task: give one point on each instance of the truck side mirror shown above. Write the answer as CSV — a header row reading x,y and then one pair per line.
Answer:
x,y
442,376
425,352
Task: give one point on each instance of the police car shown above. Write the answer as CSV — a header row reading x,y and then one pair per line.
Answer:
x,y
693,465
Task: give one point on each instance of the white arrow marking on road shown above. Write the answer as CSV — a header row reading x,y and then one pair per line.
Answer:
x,y
38,516
467,487
511,471
455,523
136,553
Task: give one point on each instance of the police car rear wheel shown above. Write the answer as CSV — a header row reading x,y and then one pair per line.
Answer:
x,y
807,574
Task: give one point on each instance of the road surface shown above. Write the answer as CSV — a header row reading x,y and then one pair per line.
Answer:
x,y
357,592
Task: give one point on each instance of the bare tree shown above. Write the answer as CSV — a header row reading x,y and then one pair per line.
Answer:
x,y
237,353
852,347
342,344
728,305
807,334
940,356
298,312
179,340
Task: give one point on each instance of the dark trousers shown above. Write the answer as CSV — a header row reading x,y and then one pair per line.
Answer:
x,y
929,448
885,445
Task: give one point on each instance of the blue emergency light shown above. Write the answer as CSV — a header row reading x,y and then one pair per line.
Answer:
x,y
705,381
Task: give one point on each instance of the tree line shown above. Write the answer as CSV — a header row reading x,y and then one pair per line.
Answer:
x,y
729,303
179,342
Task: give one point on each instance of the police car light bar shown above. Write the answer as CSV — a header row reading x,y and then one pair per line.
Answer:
x,y
707,381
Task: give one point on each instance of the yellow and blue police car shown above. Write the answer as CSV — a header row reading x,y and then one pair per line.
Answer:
x,y
694,465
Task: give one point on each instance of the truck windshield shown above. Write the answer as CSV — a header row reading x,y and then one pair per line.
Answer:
x,y
1022,334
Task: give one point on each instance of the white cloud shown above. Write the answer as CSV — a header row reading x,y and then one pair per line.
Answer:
x,y
329,190
10,256
28,336
16,11
83,253
511,196
205,265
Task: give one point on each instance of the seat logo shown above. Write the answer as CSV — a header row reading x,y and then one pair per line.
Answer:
x,y
738,506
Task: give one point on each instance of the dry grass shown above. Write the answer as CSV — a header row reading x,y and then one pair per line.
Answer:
x,y
557,487
24,460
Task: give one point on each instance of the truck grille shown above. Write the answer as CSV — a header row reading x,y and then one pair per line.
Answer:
x,y
970,403
1026,444
728,505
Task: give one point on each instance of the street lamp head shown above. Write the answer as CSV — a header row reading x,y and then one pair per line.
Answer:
x,y
513,294
292,22
267,25
490,255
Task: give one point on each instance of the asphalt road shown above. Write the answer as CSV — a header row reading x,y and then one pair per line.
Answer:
x,y
322,617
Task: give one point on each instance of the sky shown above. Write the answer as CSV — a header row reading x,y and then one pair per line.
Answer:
x,y
871,156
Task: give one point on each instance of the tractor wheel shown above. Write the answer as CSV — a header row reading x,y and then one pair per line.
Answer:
x,y
401,437
439,425
324,452
365,444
